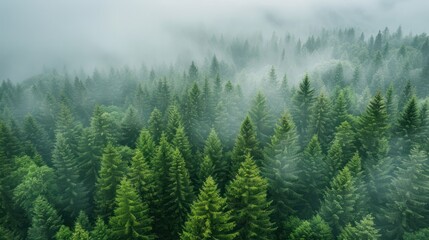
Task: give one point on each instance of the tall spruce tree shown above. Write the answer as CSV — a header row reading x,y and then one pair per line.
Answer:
x,y
321,124
131,218
372,134
314,174
214,150
247,199
303,103
45,221
209,218
407,208
111,172
339,202
364,229
180,196
71,192
246,143
261,118
281,170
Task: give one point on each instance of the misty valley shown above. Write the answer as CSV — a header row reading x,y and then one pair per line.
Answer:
x,y
251,136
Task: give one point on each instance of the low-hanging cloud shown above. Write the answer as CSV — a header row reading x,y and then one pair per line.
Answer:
x,y
85,34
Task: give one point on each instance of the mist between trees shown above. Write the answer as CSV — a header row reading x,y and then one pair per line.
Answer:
x,y
262,137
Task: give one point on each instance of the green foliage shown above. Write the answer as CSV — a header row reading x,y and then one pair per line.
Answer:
x,y
214,151
64,233
111,172
421,234
247,199
316,228
364,229
131,218
80,233
72,193
246,143
303,103
261,118
407,129
142,177
155,125
130,127
45,221
281,170
209,218
146,145
180,195
339,202
314,174
321,124
406,209
372,134
100,231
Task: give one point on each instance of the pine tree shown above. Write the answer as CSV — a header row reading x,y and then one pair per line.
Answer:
x,y
174,121
407,129
341,109
37,137
155,125
181,142
261,118
313,173
130,127
421,234
246,143
247,199
407,209
83,220
372,135
339,76
335,159
214,67
345,136
272,77
141,176
88,163
69,128
206,169
131,218
214,150
315,228
281,170
100,231
64,233
146,145
80,233
162,96
180,195
364,229
111,172
45,221
38,181
339,202
193,114
102,130
209,218
161,166
321,124
72,194
193,72
406,95
303,102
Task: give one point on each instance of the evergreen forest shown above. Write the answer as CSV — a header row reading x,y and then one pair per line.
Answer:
x,y
263,137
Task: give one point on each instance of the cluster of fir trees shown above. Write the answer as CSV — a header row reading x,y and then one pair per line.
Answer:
x,y
197,159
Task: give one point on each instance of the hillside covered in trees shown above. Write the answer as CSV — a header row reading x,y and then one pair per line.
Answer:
x,y
265,137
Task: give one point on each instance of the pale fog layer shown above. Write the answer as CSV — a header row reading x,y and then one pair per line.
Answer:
x,y
84,34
